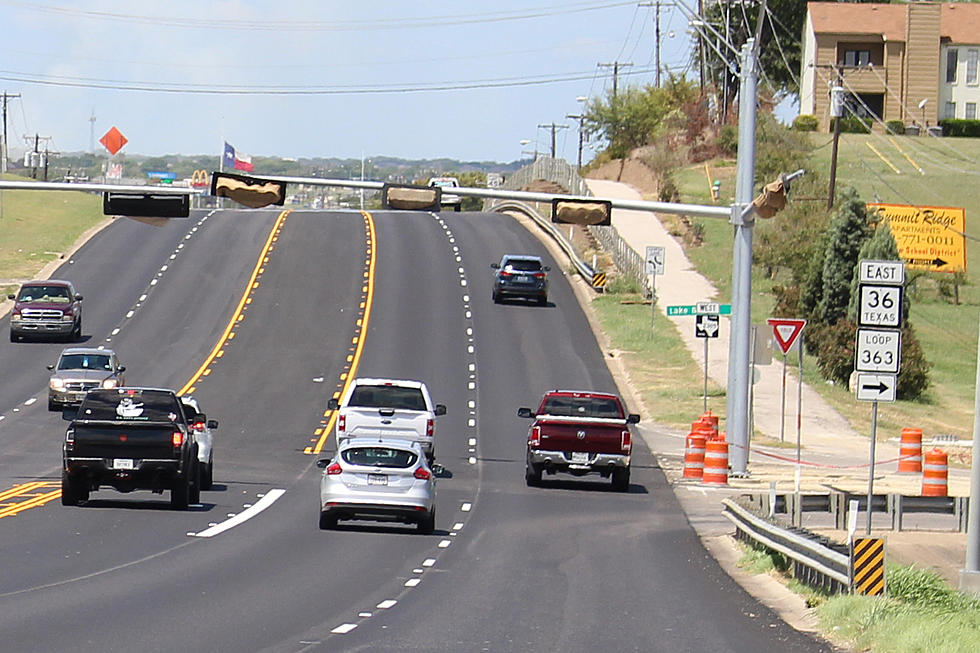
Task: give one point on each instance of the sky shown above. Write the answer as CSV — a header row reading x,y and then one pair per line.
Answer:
x,y
417,79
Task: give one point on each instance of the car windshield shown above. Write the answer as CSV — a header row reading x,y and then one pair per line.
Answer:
x,y
55,294
84,362
442,183
387,396
582,407
379,457
130,405
523,264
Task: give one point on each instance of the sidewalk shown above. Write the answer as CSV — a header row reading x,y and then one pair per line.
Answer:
x,y
833,454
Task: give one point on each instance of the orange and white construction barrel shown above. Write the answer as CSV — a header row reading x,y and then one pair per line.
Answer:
x,y
694,456
910,451
934,474
716,462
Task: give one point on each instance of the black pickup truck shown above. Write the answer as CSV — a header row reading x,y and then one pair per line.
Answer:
x,y
132,439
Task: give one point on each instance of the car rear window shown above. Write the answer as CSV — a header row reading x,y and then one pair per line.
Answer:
x,y
603,408
84,362
524,265
387,396
379,457
130,405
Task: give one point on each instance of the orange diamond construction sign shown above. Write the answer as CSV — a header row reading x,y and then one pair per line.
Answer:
x,y
113,140
929,237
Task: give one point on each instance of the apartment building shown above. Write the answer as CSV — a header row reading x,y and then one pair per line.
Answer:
x,y
915,62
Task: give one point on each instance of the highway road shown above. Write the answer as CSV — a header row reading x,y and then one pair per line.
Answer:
x,y
262,316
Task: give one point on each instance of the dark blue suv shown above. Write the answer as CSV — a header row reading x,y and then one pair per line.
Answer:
x,y
520,275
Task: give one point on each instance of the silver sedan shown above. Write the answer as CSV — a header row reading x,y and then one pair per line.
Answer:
x,y
378,480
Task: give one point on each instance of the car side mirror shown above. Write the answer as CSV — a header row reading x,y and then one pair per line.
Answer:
x,y
78,298
524,412
493,266
322,463
69,413
547,268
122,368
50,367
632,418
332,404
440,409
212,423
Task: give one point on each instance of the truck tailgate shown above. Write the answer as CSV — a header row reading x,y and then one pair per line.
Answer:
x,y
386,423
579,434
141,440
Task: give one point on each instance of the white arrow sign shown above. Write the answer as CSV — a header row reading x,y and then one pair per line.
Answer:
x,y
876,387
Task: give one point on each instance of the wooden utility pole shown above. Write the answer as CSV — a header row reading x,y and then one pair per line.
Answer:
x,y
833,155
615,66
581,125
554,128
3,150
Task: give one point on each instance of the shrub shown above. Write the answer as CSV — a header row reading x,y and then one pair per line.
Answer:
x,y
835,350
895,127
624,285
913,372
855,125
805,123
956,127
926,589
728,139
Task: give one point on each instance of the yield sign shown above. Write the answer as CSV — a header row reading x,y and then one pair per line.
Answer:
x,y
113,140
786,331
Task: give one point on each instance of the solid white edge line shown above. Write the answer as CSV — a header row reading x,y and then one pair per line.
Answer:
x,y
270,497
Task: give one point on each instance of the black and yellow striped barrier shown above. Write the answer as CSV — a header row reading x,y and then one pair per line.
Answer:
x,y
599,280
868,565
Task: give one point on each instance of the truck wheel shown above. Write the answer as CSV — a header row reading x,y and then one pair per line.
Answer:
x,y
495,295
13,337
459,207
180,494
327,521
76,333
71,491
53,406
543,300
621,479
428,525
532,475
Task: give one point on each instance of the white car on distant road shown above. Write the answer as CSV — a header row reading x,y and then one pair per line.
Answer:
x,y
205,439
454,201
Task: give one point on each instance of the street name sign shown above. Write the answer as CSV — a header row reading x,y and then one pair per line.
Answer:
x,y
876,387
878,350
695,309
880,306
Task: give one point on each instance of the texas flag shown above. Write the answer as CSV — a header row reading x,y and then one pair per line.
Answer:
x,y
236,160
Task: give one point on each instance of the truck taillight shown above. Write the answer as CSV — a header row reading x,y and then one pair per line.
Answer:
x,y
341,423
70,440
333,469
422,474
430,427
627,441
534,436
177,438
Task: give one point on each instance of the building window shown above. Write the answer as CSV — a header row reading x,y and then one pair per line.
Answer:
x,y
857,58
950,110
971,110
971,66
951,66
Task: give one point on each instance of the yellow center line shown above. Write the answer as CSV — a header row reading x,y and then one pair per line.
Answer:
x,y
347,376
249,287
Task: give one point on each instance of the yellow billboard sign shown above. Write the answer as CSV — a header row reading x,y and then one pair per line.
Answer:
x,y
929,237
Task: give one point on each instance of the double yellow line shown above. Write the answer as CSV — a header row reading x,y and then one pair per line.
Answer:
x,y
28,496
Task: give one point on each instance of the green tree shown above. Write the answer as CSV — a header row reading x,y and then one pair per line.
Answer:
x,y
847,233
880,247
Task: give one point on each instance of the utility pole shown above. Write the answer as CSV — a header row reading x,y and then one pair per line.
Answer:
x,y
91,132
3,150
554,128
36,152
615,66
836,111
581,126
656,21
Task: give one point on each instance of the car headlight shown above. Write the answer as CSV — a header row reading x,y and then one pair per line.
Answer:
x,y
108,384
15,317
67,318
57,384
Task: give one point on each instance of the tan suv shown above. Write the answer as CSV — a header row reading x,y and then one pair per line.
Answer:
x,y
80,369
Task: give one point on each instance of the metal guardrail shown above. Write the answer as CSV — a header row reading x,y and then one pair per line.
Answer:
x,y
546,168
583,268
816,561
626,259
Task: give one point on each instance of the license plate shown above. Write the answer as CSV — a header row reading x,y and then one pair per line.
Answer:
x,y
377,479
122,463
578,457
522,278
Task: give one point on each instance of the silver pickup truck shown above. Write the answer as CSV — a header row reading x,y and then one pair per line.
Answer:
x,y
388,408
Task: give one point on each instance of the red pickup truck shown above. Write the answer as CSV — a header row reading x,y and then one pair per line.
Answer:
x,y
580,432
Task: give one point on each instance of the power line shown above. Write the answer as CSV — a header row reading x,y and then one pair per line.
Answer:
x,y
615,66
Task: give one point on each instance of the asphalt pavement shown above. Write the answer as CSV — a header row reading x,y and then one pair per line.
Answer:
x,y
832,455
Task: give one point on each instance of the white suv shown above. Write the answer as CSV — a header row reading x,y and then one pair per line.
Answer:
x,y
388,408
454,201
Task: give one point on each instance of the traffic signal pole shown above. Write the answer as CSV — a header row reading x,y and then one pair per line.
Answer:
x,y
743,219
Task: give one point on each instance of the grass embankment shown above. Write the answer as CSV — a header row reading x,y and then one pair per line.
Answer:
x,y
38,227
